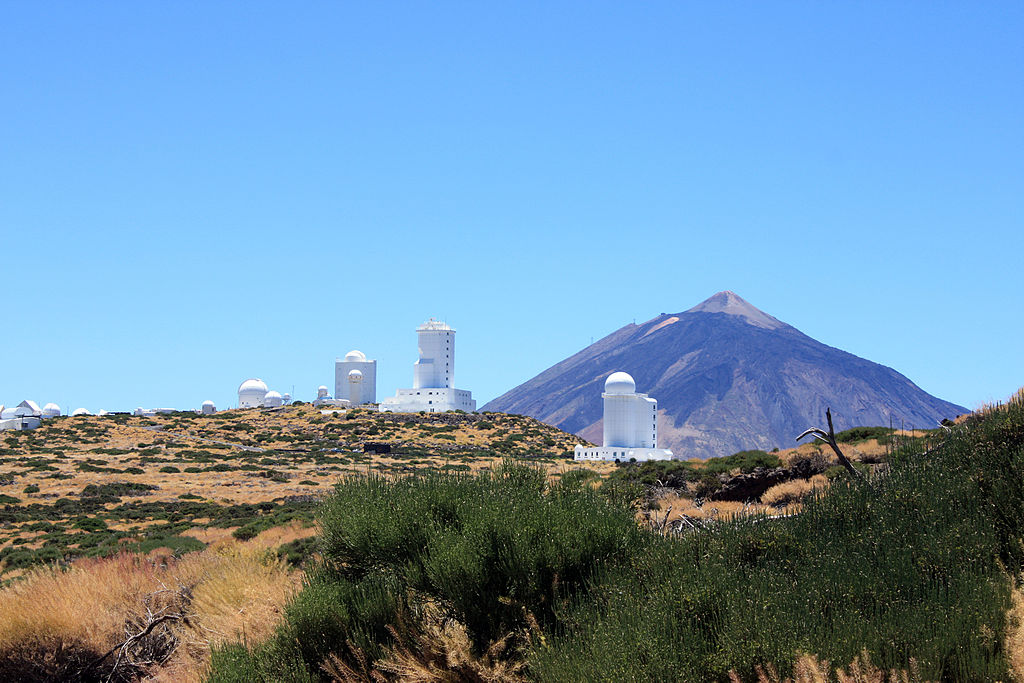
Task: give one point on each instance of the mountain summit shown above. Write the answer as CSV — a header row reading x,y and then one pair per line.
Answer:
x,y
727,377
731,303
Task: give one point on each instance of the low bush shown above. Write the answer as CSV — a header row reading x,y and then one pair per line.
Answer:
x,y
745,461
858,434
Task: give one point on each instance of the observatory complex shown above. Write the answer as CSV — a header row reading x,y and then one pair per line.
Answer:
x,y
433,383
630,425
253,393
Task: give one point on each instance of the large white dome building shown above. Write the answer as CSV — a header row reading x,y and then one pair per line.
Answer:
x,y
251,393
630,425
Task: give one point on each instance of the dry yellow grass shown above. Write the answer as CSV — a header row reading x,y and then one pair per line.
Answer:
x,y
1015,631
793,492
677,506
435,649
810,669
224,592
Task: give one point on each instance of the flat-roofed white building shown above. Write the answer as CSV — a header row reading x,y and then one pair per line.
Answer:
x,y
630,425
433,385
355,378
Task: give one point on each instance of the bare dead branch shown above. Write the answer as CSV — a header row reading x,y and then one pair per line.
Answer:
x,y
830,438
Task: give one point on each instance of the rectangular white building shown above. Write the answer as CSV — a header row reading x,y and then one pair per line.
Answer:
x,y
355,378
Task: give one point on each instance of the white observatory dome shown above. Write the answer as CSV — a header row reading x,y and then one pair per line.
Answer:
x,y
321,391
355,376
79,412
287,397
208,404
253,385
273,399
51,410
619,383
251,393
355,356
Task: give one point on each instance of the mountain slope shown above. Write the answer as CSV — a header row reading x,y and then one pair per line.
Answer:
x,y
727,377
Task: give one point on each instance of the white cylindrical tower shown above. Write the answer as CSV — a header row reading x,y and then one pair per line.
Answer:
x,y
321,392
620,411
355,387
436,367
251,393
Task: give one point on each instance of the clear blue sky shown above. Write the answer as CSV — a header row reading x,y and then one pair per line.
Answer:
x,y
194,193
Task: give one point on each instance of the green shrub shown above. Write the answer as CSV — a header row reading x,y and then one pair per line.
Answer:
x,y
745,461
671,473
31,488
90,524
858,434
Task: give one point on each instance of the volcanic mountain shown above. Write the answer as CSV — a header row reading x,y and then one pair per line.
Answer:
x,y
727,377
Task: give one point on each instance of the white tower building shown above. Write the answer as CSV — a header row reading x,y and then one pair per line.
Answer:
x,y
208,408
251,393
356,360
433,383
630,425
436,367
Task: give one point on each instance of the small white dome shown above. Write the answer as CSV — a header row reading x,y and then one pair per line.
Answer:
x,y
253,385
51,410
286,396
80,411
208,403
355,356
273,394
355,376
619,383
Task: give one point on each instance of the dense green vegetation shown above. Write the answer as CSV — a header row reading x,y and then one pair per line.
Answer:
x,y
918,565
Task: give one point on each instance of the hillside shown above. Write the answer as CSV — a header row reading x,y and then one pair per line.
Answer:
x,y
86,486
727,376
